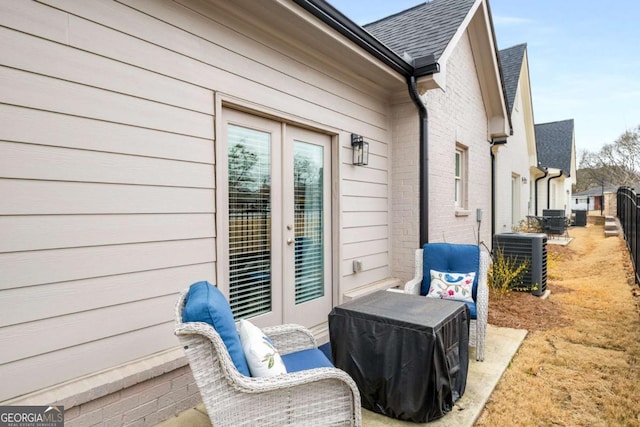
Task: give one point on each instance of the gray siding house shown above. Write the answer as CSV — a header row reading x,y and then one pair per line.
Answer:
x,y
149,144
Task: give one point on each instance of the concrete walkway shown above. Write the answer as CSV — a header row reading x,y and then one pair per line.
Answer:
x,y
501,345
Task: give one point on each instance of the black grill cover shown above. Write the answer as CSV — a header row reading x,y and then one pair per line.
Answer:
x,y
408,354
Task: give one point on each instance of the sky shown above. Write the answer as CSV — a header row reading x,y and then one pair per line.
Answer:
x,y
584,58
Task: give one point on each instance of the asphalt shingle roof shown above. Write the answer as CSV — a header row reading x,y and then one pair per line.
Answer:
x,y
422,30
597,191
511,60
554,142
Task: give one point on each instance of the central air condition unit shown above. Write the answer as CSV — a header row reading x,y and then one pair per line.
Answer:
x,y
553,212
531,247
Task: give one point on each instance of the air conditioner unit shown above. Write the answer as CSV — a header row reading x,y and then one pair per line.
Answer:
x,y
531,247
553,212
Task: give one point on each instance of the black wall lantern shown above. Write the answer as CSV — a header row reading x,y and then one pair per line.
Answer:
x,y
360,150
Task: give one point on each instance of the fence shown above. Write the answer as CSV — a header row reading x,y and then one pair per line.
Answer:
x,y
628,211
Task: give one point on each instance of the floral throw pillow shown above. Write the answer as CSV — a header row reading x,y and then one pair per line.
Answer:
x,y
262,357
454,286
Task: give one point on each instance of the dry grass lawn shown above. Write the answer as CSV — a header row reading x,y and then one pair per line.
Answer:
x,y
579,365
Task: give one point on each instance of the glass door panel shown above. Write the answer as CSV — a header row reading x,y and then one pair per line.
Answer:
x,y
249,154
515,200
307,208
249,216
308,170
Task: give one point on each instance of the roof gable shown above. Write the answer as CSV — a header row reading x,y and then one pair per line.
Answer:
x,y
554,142
435,28
432,26
511,60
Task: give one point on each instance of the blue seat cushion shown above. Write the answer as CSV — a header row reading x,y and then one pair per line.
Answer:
x,y
450,258
205,303
306,359
473,313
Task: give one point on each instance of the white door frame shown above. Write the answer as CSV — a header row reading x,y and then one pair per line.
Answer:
x,y
282,253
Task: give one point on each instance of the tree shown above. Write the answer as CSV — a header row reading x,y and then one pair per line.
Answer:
x,y
241,168
617,163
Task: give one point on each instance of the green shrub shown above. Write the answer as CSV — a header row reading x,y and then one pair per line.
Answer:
x,y
506,273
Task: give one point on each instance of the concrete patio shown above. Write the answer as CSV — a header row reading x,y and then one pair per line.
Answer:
x,y
501,345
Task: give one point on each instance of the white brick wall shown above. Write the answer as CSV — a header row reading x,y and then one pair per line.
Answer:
x,y
513,159
405,189
456,115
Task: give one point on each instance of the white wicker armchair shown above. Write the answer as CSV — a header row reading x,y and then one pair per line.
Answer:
x,y
321,396
478,326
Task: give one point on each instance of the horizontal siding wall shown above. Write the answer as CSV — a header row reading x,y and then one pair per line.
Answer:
x,y
107,171
107,177
365,217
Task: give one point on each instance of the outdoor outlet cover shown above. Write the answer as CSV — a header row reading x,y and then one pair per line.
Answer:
x,y
357,265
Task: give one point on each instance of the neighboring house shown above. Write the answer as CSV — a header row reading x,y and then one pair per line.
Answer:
x,y
465,111
516,162
587,200
555,142
149,144
592,200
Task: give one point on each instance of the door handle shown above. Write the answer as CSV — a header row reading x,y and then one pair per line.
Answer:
x,y
290,241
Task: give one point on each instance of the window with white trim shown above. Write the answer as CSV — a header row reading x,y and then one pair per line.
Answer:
x,y
460,178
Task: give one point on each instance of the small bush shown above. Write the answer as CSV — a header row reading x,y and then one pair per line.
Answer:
x,y
506,273
553,269
530,225
521,227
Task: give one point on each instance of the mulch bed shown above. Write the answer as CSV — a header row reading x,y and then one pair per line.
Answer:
x,y
523,310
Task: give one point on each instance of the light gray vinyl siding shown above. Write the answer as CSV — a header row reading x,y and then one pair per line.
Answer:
x,y
108,171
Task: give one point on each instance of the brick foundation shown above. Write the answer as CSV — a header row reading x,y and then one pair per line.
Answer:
x,y
142,393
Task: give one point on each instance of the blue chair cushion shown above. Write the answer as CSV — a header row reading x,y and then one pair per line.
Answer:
x,y
205,303
473,313
450,258
306,359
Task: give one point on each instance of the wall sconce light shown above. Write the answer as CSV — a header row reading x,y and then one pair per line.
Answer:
x,y
360,150
524,179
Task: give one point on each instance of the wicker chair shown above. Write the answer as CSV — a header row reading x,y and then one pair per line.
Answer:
x,y
478,325
321,396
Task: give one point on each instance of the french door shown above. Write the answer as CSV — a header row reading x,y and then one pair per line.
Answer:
x,y
277,221
515,200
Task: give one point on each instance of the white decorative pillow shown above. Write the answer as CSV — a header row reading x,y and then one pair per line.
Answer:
x,y
262,357
455,286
